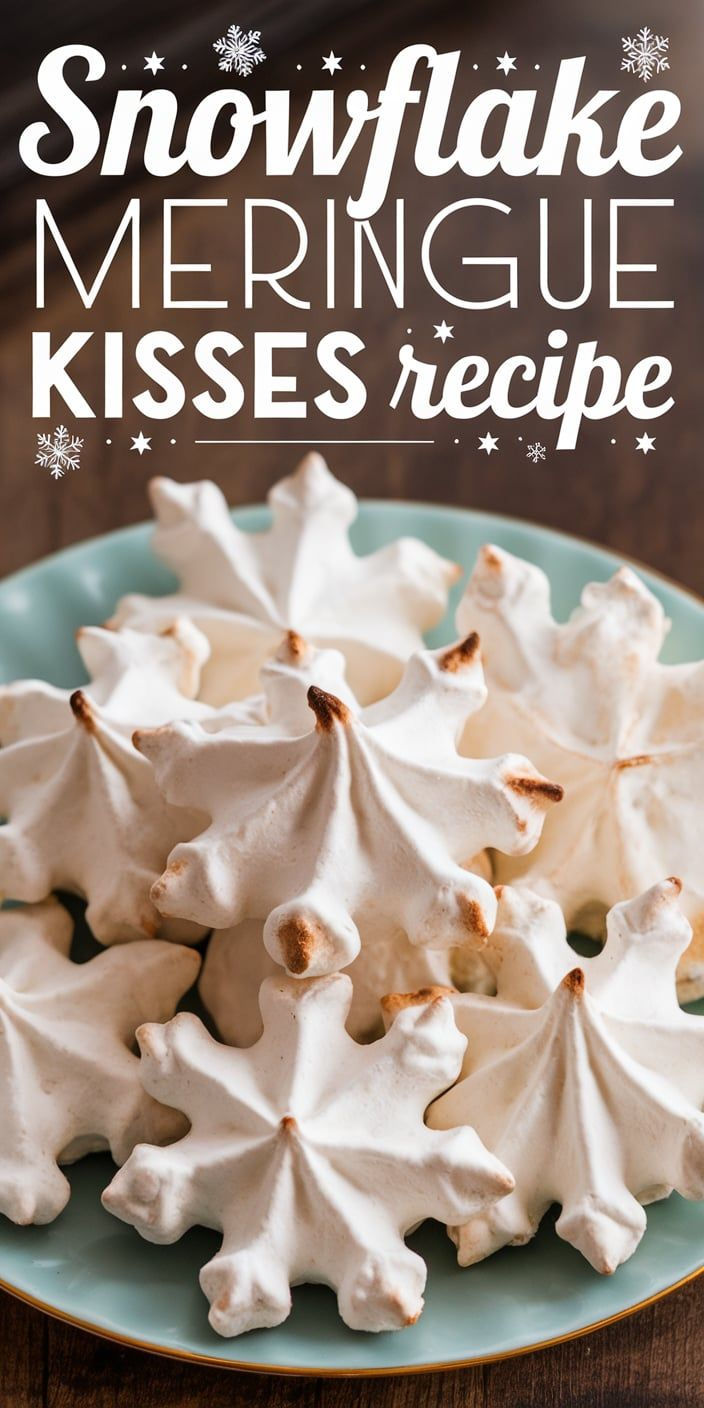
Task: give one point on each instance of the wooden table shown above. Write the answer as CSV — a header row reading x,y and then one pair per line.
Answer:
x,y
651,508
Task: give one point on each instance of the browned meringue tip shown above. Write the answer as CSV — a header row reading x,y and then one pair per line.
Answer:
x,y
299,940
473,917
461,655
574,982
148,1037
538,789
396,1002
490,558
328,709
297,646
498,891
82,710
288,1125
141,734
676,883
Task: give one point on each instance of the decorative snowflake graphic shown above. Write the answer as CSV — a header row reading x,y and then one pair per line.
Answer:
x,y
239,52
646,54
535,452
59,452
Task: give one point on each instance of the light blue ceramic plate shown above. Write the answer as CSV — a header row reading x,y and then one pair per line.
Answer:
x,y
95,1271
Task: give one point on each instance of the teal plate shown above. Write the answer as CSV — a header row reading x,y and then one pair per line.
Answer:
x,y
96,1272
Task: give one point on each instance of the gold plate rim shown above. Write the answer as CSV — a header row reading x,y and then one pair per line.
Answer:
x,y
303,1371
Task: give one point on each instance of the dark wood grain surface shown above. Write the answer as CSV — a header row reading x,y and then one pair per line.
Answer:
x,y
650,508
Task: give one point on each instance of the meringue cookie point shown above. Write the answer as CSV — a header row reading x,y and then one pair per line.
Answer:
x,y
538,789
328,709
458,656
299,941
574,982
473,917
83,710
294,648
395,1002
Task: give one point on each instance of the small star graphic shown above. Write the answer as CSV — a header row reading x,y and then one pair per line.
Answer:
x,y
645,443
443,330
153,63
332,62
141,442
488,442
506,62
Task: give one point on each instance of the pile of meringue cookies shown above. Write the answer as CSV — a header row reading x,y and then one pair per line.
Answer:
x,y
369,855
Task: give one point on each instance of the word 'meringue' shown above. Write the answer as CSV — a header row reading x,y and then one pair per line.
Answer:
x,y
520,150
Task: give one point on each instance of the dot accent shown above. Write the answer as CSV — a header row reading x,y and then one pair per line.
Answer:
x,y
184,65
108,442
123,67
299,66
475,67
613,442
363,67
537,66
172,442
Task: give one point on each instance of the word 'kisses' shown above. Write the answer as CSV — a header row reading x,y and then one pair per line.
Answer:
x,y
648,117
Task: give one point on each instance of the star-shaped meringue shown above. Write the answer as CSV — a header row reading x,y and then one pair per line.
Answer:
x,y
309,1153
82,810
590,704
587,1080
69,1078
366,815
244,590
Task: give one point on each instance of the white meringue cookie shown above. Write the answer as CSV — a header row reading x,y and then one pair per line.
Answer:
x,y
365,818
237,963
591,705
83,812
309,1153
245,589
69,1079
587,1081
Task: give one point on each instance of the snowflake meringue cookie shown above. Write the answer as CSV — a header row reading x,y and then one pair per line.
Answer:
x,y
244,590
591,705
69,1079
364,818
587,1081
313,1169
82,810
